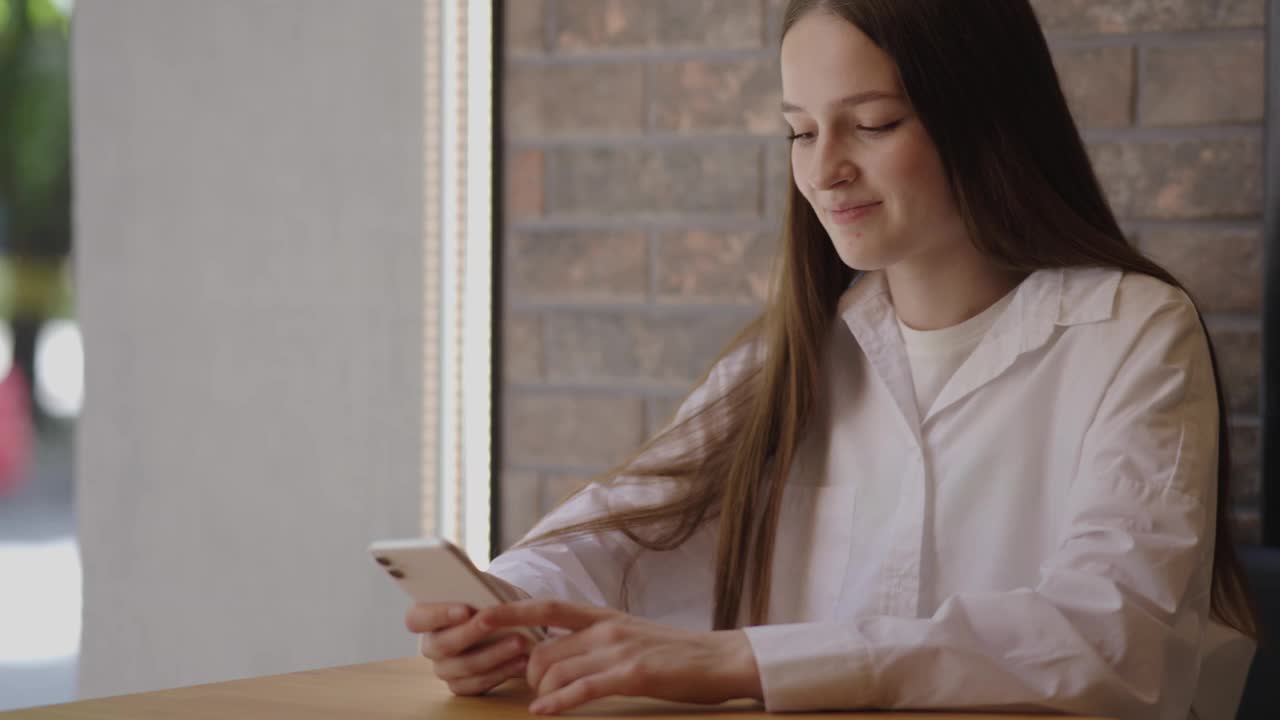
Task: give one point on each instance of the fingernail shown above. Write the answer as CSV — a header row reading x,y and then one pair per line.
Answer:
x,y
538,706
458,613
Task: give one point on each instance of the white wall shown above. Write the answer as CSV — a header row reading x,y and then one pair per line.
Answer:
x,y
250,270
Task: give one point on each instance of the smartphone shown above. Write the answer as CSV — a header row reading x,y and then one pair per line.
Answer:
x,y
434,570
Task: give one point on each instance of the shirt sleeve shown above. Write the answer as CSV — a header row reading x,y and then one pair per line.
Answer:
x,y
589,568
1114,624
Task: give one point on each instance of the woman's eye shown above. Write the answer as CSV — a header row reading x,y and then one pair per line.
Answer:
x,y
874,129
869,129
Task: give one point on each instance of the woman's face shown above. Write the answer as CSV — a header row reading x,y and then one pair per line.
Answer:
x,y
860,156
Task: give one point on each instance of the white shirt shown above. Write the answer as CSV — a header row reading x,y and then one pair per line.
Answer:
x,y
935,355
1042,538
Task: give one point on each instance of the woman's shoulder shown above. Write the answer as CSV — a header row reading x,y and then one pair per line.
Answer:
x,y
1131,315
1123,300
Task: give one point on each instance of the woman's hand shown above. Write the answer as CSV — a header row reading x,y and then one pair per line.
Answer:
x,y
612,653
449,638
450,641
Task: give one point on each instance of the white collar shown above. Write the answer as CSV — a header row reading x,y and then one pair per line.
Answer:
x,y
1043,301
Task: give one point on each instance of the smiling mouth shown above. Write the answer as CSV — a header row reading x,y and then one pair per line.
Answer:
x,y
853,214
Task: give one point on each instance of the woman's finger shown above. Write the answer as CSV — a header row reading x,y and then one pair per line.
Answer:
x,y
570,669
454,640
478,684
617,680
430,617
549,652
482,661
533,613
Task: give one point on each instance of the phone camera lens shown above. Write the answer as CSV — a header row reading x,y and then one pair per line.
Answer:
x,y
385,562
396,574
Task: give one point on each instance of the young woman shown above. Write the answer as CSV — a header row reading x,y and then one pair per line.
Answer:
x,y
971,456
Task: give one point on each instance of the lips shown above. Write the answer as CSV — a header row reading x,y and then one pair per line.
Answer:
x,y
845,207
852,212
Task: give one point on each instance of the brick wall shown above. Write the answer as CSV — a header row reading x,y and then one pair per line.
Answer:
x,y
645,173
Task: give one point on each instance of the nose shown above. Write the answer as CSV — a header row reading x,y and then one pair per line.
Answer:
x,y
831,165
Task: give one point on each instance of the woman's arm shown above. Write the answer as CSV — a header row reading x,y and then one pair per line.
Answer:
x,y
608,652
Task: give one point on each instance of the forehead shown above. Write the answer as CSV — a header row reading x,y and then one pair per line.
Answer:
x,y
825,57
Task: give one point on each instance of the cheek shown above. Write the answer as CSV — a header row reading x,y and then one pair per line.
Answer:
x,y
797,176
915,170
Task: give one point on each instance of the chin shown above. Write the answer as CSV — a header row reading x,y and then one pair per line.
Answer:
x,y
860,256
860,249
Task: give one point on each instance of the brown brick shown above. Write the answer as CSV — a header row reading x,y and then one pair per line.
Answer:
x,y
557,488
557,100
572,427
1220,82
1098,83
525,28
579,266
717,267
1221,268
1239,354
1246,464
661,410
711,23
595,25
524,184
1124,16
521,505
715,179
592,26
1182,179
522,346
612,346
722,95
777,178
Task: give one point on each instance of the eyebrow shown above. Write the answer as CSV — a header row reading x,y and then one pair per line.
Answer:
x,y
855,99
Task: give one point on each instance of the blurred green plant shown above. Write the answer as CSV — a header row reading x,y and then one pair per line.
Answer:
x,y
35,155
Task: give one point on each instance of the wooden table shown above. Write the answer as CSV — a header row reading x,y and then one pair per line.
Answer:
x,y
395,690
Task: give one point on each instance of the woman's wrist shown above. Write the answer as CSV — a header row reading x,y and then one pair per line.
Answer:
x,y
744,673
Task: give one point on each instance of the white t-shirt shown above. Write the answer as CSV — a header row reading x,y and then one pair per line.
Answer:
x,y
935,355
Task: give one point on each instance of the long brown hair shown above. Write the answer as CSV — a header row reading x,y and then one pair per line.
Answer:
x,y
980,77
